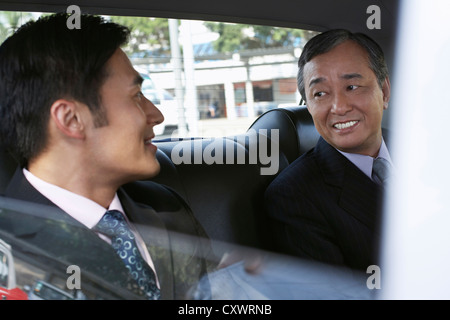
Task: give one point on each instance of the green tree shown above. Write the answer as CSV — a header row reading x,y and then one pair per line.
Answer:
x,y
234,37
153,32
230,36
10,21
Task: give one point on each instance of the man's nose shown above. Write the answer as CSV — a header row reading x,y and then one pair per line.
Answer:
x,y
340,104
154,115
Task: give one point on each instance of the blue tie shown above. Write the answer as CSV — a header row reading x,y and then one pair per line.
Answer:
x,y
113,224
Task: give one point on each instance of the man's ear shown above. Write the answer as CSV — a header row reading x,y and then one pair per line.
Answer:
x,y
386,89
66,115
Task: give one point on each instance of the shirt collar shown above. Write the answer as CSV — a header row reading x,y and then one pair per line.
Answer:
x,y
78,207
365,163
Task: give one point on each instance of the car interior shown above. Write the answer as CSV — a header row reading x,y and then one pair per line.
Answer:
x,y
228,199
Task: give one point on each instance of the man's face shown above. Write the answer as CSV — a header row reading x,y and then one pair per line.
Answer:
x,y
345,99
121,150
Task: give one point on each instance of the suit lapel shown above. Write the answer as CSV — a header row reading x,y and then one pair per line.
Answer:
x,y
156,237
361,197
358,194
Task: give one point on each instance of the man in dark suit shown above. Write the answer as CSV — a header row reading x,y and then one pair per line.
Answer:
x,y
73,115
326,204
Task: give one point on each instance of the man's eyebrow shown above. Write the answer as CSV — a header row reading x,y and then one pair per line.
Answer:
x,y
315,81
347,76
350,76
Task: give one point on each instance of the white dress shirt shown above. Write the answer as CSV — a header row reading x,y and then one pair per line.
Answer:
x,y
365,163
84,210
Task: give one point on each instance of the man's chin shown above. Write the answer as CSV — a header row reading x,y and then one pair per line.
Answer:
x,y
152,171
346,144
146,173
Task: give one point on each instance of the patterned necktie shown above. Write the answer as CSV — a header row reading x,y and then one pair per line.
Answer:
x,y
381,170
113,224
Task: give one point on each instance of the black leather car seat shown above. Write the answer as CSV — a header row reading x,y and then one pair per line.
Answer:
x,y
227,199
297,133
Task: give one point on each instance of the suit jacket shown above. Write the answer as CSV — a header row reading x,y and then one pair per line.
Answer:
x,y
324,208
176,242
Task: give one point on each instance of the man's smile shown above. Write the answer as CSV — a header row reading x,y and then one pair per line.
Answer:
x,y
345,125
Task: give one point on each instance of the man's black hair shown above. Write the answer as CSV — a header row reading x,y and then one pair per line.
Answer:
x,y
44,61
328,40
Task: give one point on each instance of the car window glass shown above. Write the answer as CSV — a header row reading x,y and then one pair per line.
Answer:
x,y
224,76
40,263
48,292
3,270
221,78
42,266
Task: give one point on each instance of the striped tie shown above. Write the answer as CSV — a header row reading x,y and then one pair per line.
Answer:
x,y
381,171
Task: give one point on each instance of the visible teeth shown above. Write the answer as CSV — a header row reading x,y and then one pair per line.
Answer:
x,y
345,125
149,141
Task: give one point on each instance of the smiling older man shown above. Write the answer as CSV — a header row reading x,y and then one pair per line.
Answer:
x,y
326,205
